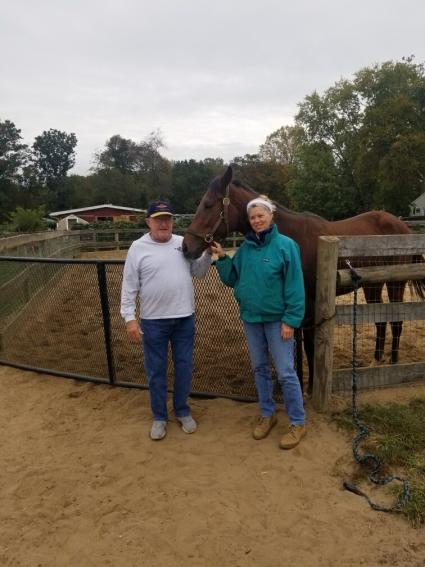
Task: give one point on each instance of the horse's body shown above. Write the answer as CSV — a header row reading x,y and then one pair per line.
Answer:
x,y
216,217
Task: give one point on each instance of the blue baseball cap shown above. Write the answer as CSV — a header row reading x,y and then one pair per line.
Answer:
x,y
157,208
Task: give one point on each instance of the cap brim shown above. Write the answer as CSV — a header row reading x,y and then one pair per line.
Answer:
x,y
160,214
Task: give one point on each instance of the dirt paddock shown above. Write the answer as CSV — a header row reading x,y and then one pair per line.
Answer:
x,y
82,484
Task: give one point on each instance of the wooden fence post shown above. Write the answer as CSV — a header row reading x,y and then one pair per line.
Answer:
x,y
327,261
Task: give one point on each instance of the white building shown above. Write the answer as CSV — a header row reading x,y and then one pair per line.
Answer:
x,y
69,221
417,207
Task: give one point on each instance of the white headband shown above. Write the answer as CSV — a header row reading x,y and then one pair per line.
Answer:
x,y
262,203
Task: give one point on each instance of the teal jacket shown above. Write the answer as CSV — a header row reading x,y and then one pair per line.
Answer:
x,y
267,279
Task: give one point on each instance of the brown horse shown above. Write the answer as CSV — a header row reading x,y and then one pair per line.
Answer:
x,y
222,210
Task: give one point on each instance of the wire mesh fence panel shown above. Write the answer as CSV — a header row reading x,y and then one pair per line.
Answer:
x,y
128,357
221,361
396,297
412,339
60,328
52,318
20,283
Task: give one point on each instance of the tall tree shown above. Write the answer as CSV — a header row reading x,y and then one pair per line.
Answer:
x,y
13,156
12,151
119,153
266,177
283,146
331,126
316,185
373,131
142,160
113,186
215,165
54,154
188,182
153,168
391,165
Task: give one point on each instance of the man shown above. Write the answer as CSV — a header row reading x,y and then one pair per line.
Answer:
x,y
157,270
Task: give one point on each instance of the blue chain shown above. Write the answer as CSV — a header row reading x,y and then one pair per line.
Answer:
x,y
373,461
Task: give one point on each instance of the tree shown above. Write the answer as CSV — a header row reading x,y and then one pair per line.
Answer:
x,y
142,160
153,168
12,151
331,126
189,179
316,185
215,165
401,173
372,130
54,154
28,220
13,156
391,166
113,186
266,177
283,145
119,153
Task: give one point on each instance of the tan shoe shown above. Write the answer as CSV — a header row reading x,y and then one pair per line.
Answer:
x,y
264,426
293,437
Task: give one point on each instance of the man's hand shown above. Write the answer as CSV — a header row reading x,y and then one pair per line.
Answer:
x,y
286,332
134,331
216,248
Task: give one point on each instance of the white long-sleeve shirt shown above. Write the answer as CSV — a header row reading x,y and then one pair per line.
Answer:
x,y
162,276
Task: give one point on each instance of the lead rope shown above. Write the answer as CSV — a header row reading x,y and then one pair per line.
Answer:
x,y
373,461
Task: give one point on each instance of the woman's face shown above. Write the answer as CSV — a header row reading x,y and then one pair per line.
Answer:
x,y
259,218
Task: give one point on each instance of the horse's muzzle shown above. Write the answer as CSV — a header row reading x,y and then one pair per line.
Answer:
x,y
191,251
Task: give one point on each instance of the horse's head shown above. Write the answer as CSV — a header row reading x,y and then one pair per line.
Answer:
x,y
215,217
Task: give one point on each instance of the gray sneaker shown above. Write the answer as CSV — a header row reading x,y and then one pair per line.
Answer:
x,y
189,425
158,430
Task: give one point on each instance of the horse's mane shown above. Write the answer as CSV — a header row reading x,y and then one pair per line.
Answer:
x,y
279,207
239,183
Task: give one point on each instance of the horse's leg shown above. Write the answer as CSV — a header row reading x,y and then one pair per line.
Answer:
x,y
373,294
308,338
299,357
309,353
396,328
395,294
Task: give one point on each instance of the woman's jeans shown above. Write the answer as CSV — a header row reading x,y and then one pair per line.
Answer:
x,y
157,333
265,337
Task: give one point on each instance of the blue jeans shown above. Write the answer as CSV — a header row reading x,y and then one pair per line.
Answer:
x,y
157,333
263,338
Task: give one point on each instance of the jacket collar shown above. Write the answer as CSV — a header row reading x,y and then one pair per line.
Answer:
x,y
263,237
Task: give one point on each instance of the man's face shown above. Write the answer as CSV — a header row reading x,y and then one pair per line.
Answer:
x,y
160,227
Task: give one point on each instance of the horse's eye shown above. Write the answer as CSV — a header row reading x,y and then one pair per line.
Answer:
x,y
208,204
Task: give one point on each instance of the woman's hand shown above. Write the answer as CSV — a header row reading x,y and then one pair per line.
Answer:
x,y
286,332
217,248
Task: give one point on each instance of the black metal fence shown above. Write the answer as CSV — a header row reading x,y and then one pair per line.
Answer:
x,y
61,316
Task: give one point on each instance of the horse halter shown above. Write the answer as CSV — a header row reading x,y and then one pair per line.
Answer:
x,y
224,217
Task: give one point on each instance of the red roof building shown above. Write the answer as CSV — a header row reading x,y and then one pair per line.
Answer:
x,y
101,213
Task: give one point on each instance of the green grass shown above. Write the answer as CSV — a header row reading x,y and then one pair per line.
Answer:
x,y
397,436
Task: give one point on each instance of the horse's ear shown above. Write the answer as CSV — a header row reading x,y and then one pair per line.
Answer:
x,y
227,177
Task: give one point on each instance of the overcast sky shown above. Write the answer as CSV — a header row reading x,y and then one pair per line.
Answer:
x,y
214,77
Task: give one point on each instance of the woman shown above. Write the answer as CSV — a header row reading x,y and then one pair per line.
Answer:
x,y
268,284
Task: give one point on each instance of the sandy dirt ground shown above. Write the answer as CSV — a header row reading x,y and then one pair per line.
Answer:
x,y
83,485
